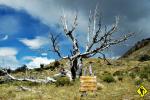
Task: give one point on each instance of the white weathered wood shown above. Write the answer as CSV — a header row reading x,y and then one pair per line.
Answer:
x,y
10,77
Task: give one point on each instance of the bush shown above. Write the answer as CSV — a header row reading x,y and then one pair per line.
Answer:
x,y
132,75
41,66
21,69
147,69
148,79
62,81
138,82
144,75
144,58
108,79
118,73
106,73
53,66
38,69
56,64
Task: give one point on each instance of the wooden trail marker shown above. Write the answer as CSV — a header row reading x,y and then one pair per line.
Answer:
x,y
88,83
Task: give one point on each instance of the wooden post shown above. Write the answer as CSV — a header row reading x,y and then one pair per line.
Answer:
x,y
88,83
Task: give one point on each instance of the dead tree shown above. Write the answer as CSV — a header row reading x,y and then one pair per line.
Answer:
x,y
10,77
99,38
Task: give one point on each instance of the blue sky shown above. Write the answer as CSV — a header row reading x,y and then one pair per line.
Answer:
x,y
25,25
18,25
24,34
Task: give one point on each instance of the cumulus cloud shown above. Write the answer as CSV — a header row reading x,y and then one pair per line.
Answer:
x,y
9,62
7,51
35,43
8,57
28,58
44,54
36,61
3,37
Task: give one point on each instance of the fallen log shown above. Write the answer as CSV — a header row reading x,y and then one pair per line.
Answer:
x,y
47,80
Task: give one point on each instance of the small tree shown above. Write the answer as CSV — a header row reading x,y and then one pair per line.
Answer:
x,y
98,39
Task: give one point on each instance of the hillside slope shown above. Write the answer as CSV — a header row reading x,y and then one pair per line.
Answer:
x,y
127,75
139,49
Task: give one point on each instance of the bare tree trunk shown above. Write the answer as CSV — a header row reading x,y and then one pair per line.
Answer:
x,y
76,67
80,66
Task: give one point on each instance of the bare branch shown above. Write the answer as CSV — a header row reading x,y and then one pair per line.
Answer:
x,y
104,46
125,37
55,44
94,20
69,33
89,30
105,59
64,22
105,37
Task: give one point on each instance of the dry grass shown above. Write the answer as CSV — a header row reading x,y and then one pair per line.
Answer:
x,y
119,90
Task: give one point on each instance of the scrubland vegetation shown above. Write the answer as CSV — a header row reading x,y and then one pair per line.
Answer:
x,y
118,81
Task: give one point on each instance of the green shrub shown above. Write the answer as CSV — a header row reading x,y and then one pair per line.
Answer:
x,y
108,78
118,73
138,82
144,58
106,73
38,69
62,81
41,66
132,75
148,79
56,64
143,75
53,66
21,69
146,69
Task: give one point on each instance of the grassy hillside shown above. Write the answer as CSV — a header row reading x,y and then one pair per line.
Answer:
x,y
127,77
141,48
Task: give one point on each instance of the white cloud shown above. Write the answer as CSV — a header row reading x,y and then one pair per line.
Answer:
x,y
28,58
3,37
44,54
7,51
36,61
36,43
48,11
8,57
9,62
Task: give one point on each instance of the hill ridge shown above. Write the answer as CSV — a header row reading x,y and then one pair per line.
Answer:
x,y
139,45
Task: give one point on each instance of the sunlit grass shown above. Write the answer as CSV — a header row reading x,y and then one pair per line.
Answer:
x,y
119,90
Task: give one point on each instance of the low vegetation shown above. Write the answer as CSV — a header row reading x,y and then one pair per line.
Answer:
x,y
63,81
116,82
108,78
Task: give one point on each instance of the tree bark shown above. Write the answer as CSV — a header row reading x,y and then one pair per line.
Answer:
x,y
76,67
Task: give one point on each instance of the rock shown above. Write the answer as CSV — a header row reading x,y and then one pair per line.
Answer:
x,y
137,78
100,86
68,74
49,79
